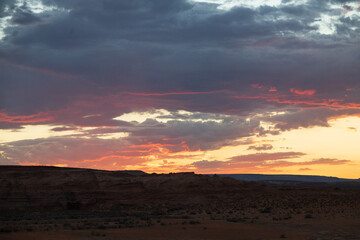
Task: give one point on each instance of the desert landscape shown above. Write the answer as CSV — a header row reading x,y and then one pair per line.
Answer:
x,y
71,203
179,119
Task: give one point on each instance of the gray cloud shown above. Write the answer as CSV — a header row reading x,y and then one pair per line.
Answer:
x,y
198,135
22,17
87,57
247,161
68,150
144,139
263,162
262,147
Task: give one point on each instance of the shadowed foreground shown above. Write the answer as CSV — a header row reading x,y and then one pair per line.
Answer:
x,y
67,203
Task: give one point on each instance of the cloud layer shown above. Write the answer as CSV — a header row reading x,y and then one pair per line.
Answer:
x,y
220,69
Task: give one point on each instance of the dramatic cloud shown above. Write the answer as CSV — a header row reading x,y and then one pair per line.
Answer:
x,y
250,161
262,162
157,135
208,74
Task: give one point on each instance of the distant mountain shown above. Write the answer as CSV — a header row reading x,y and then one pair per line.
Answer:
x,y
295,178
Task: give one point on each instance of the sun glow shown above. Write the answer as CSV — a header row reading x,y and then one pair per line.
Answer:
x,y
338,142
31,132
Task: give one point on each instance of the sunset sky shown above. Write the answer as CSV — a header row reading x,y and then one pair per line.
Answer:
x,y
210,86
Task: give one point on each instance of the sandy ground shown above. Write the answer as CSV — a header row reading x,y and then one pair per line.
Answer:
x,y
211,230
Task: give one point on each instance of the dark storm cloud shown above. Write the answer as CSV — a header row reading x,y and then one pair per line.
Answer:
x,y
6,8
175,22
305,118
344,1
85,53
22,17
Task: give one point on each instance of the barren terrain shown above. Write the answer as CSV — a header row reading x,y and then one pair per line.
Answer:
x,y
66,203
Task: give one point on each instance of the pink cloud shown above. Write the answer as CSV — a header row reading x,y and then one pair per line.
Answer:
x,y
175,93
298,100
273,89
40,117
309,92
262,162
304,169
255,85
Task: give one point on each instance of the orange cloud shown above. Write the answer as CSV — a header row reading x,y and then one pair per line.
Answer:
x,y
34,118
255,85
273,89
309,92
261,162
286,99
174,93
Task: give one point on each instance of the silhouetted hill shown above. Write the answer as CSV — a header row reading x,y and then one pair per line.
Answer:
x,y
298,181
24,187
62,188
295,178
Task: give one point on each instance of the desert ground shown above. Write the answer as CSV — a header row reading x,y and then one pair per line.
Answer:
x,y
64,203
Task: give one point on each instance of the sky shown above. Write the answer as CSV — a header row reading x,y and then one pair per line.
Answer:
x,y
209,86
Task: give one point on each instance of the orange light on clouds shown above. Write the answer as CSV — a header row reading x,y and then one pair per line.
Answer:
x,y
273,89
33,118
309,92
